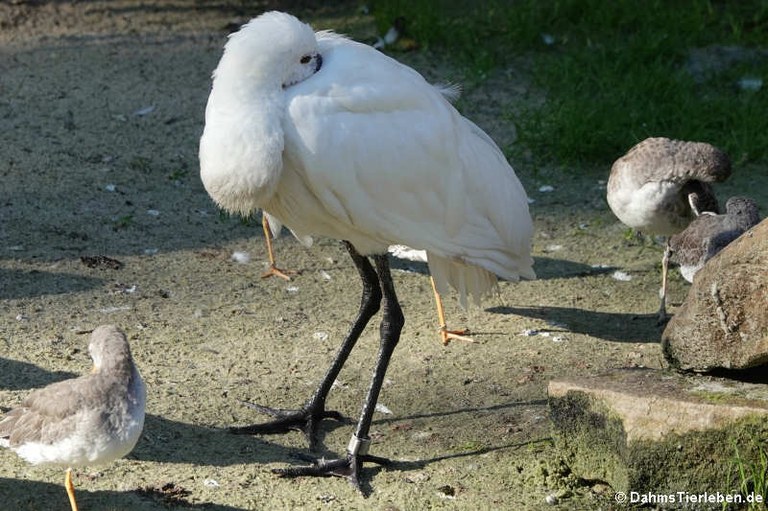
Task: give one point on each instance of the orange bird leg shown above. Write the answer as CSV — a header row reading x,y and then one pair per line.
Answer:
x,y
273,270
70,489
445,334
664,279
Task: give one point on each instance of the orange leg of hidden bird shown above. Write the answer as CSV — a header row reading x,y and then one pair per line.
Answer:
x,y
273,270
70,489
445,334
664,279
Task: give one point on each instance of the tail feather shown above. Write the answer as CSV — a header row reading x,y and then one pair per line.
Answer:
x,y
466,280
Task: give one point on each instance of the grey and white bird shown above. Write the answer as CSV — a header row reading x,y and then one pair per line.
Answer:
x,y
333,138
91,420
709,233
660,185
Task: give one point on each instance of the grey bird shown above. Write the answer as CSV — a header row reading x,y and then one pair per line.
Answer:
x,y
661,185
709,233
90,420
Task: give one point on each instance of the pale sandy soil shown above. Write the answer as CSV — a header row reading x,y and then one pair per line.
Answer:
x,y
101,108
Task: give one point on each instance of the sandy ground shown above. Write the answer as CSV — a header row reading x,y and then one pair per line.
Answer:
x,y
101,108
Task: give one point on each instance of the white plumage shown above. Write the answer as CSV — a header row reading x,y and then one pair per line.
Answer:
x,y
333,138
363,150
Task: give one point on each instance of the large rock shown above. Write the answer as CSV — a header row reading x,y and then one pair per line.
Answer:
x,y
723,322
660,432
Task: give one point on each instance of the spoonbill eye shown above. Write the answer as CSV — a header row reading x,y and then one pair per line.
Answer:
x,y
305,59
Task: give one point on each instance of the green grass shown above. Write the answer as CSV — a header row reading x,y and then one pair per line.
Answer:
x,y
122,222
750,476
612,72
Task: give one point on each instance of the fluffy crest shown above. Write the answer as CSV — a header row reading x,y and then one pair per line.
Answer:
x,y
242,144
272,50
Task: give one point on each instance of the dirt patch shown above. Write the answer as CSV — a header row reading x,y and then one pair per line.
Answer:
x,y
101,107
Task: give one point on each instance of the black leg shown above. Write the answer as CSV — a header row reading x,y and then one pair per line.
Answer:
x,y
309,416
391,325
357,450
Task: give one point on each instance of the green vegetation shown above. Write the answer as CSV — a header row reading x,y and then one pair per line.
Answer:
x,y
122,222
140,163
613,72
179,173
750,475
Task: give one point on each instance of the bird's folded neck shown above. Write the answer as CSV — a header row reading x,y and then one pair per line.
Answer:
x,y
241,149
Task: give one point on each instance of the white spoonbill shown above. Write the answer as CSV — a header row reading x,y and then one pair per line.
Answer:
x,y
333,138
272,228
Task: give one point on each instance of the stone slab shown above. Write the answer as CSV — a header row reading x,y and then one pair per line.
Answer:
x,y
661,432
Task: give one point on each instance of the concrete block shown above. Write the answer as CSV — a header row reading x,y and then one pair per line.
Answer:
x,y
659,432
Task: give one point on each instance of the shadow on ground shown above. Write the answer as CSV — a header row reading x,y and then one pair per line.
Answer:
x,y
168,441
304,457
18,375
41,495
550,268
545,267
29,284
611,326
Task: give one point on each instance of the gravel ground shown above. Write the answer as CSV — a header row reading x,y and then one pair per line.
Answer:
x,y
101,109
